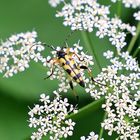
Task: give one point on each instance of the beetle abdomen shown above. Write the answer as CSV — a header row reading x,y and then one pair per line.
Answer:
x,y
70,67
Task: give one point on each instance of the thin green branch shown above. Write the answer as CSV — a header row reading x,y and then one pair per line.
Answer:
x,y
95,104
119,8
86,41
102,129
136,51
90,47
134,38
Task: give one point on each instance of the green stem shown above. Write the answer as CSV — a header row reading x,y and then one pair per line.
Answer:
x,y
134,38
90,47
136,51
94,104
119,8
102,129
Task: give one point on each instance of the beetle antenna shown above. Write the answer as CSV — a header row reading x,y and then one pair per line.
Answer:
x,y
50,46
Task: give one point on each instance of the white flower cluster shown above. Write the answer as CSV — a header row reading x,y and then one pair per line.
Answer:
x,y
82,14
50,118
92,136
137,15
88,14
17,51
129,3
80,58
109,76
122,95
55,3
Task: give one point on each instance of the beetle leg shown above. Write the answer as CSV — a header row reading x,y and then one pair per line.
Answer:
x,y
68,50
71,86
48,61
52,69
90,74
78,57
73,53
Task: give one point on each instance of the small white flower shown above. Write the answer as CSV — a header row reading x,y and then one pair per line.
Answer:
x,y
137,96
44,98
108,54
70,123
55,3
137,15
83,138
92,136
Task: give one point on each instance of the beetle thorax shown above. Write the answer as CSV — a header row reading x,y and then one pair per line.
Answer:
x,y
61,54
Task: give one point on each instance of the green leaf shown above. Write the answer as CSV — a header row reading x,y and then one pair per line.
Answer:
x,y
88,119
13,119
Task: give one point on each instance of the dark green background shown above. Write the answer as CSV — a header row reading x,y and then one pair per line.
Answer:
x,y
23,89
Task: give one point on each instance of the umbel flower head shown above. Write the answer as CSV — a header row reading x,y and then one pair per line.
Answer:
x,y
50,118
122,96
17,51
89,15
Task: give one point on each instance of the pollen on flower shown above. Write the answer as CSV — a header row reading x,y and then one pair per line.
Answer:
x,y
50,118
17,51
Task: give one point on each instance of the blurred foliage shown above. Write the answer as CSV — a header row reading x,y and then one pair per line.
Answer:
x,y
23,89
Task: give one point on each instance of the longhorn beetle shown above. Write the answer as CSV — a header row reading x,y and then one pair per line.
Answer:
x,y
65,60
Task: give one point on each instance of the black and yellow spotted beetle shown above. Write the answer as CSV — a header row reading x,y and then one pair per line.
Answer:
x,y
66,61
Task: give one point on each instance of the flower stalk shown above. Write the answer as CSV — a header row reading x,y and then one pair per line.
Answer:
x,y
136,51
134,38
90,47
119,10
102,129
96,104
